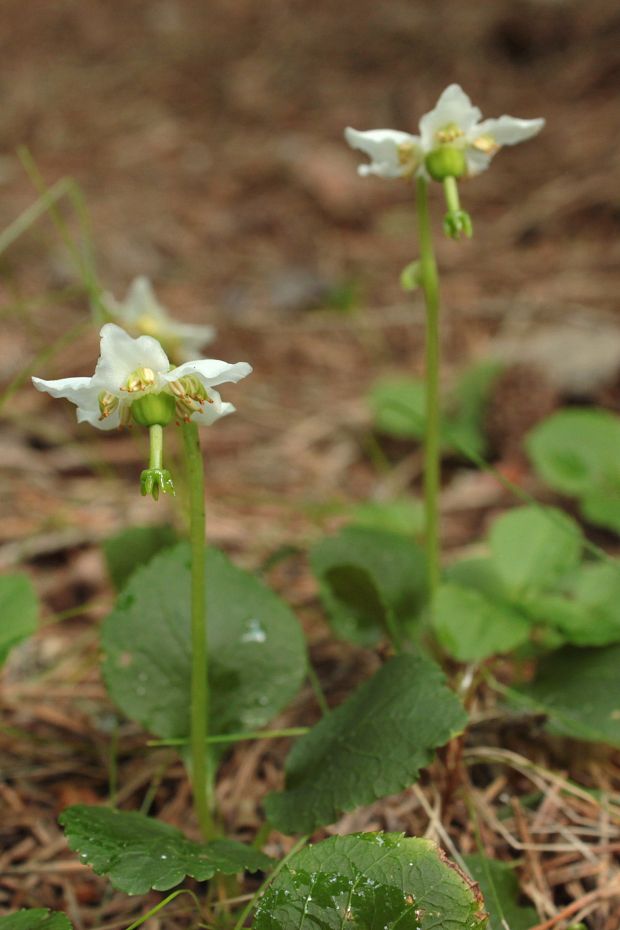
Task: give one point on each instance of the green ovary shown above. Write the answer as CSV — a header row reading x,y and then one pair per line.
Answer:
x,y
154,409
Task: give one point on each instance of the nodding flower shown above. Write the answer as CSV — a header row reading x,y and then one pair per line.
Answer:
x,y
134,382
453,141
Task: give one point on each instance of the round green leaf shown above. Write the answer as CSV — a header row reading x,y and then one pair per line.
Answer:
x,y
257,658
577,450
532,548
472,627
373,745
38,918
371,881
139,853
399,407
369,580
579,690
133,547
19,610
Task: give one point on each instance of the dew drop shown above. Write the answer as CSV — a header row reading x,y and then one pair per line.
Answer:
x,y
254,632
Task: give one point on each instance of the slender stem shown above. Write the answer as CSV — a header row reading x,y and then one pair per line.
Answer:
x,y
234,737
451,192
156,436
199,684
316,686
430,285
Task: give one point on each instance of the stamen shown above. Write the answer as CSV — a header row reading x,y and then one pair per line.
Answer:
x,y
449,133
107,404
486,144
139,380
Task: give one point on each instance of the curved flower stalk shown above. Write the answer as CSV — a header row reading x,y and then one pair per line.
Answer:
x,y
134,383
453,141
142,314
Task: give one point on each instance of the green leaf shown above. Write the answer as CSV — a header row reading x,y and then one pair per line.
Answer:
x,y
373,745
19,610
410,276
577,450
398,407
466,408
478,574
404,515
579,690
127,551
257,658
371,881
532,548
602,505
39,918
370,581
139,853
500,889
471,627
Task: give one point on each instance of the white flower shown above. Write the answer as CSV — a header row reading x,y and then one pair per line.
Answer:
x,y
129,369
142,313
455,124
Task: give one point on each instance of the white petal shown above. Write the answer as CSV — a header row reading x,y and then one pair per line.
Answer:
x,y
453,107
507,130
210,371
95,419
121,355
82,393
73,389
477,162
213,411
381,146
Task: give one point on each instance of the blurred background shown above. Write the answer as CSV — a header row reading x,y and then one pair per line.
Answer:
x,y
207,140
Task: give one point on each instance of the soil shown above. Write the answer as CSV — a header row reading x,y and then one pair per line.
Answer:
x,y
206,140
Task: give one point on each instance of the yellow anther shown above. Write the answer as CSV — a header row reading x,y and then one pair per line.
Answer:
x,y
139,380
107,404
449,133
486,144
408,157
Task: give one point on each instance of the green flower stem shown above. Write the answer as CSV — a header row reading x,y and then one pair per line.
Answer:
x,y
451,192
199,683
430,285
156,436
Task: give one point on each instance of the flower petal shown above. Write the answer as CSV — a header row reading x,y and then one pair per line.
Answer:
x,y
507,130
74,389
382,147
213,411
121,355
453,107
210,371
85,395
87,415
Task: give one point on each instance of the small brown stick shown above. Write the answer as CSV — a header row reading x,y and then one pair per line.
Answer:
x,y
573,908
532,856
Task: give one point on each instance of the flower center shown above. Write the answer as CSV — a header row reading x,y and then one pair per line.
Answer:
x,y
142,379
449,133
191,395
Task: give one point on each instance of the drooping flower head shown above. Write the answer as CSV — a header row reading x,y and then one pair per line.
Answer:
x,y
453,141
133,375
142,314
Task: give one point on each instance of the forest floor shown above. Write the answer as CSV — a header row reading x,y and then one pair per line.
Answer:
x,y
207,141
